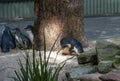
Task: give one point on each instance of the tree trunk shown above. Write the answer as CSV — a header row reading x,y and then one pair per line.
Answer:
x,y
56,17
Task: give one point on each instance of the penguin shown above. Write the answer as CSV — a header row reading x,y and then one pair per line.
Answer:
x,y
29,30
76,46
12,38
23,42
7,40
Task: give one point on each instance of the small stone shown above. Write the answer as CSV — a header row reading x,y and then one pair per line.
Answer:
x,y
90,77
116,64
75,73
106,50
105,66
104,44
110,77
88,57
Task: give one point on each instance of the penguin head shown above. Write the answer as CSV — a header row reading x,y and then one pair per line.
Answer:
x,y
6,29
16,31
29,28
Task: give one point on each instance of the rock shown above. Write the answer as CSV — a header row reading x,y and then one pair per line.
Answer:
x,y
104,44
88,57
105,66
114,40
90,77
110,77
116,63
75,73
106,50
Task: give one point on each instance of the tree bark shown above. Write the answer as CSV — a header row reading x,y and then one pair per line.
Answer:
x,y
56,17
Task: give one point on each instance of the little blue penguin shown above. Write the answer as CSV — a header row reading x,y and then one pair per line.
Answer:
x,y
7,40
76,45
23,42
29,30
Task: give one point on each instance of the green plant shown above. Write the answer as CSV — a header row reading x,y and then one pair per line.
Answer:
x,y
38,69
